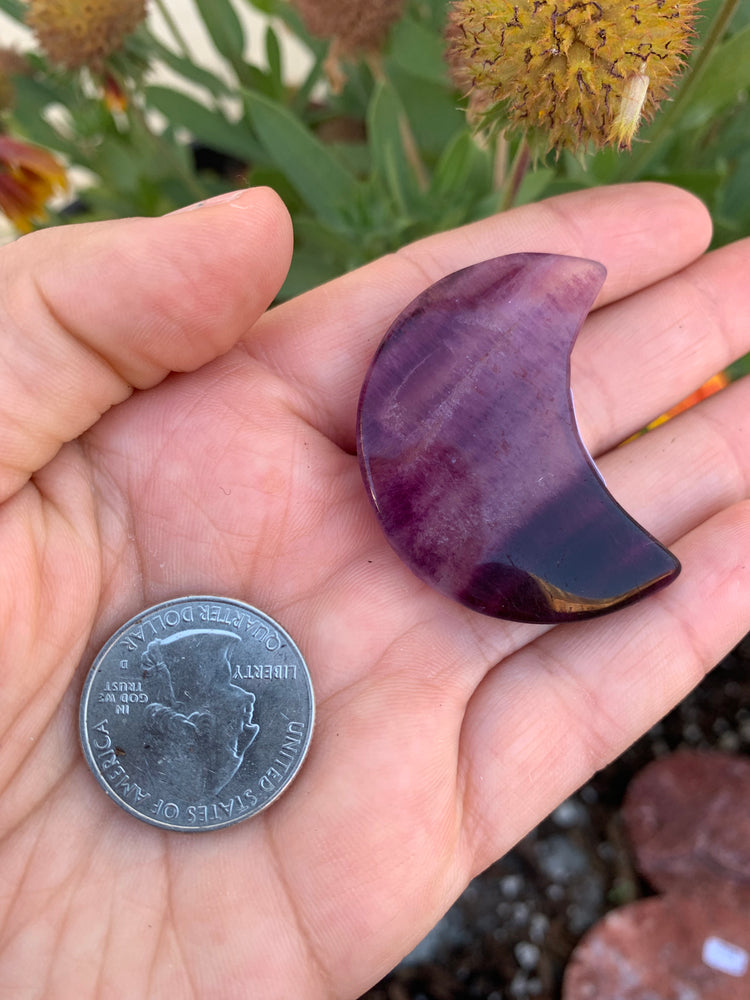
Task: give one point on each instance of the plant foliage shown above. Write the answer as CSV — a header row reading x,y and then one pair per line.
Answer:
x,y
366,158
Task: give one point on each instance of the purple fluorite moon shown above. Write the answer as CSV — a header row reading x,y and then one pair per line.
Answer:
x,y
470,450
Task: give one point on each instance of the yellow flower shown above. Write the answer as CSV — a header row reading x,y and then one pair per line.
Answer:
x,y
77,33
568,73
29,176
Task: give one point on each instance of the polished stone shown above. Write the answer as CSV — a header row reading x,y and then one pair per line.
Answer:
x,y
469,448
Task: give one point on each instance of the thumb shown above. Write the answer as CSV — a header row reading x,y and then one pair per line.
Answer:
x,y
92,311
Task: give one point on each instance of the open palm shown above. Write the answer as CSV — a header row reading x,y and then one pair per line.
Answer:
x,y
442,736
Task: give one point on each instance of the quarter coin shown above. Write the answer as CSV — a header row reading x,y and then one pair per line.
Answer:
x,y
197,713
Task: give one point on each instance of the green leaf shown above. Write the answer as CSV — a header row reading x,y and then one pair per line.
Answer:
x,y
429,12
457,162
264,6
320,179
187,69
432,109
40,91
309,268
419,51
534,185
31,98
225,28
15,9
726,76
208,127
386,125
274,60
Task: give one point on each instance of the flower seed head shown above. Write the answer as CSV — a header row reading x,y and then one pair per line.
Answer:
x,y
356,25
568,72
76,33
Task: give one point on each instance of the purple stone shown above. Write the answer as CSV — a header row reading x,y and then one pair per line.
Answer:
x,y
470,450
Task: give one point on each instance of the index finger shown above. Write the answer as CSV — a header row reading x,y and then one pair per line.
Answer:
x,y
322,342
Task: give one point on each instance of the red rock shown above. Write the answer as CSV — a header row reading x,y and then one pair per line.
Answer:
x,y
688,819
671,947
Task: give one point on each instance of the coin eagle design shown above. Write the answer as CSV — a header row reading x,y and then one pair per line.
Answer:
x,y
197,713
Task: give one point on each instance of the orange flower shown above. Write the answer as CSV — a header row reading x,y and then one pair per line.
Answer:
x,y
29,176
115,98
715,384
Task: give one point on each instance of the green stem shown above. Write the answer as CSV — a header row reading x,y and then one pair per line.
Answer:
x,y
302,95
408,141
500,165
520,165
646,151
174,29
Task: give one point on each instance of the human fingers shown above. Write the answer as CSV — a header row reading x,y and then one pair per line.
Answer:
x,y
323,341
542,723
687,470
93,311
577,696
642,355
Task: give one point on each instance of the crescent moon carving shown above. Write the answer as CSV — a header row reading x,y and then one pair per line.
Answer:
x,y
470,451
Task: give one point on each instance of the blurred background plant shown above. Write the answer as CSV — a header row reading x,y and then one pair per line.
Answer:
x,y
375,135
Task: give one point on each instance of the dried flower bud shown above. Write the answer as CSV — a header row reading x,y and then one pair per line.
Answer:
x,y
568,73
355,25
77,33
12,63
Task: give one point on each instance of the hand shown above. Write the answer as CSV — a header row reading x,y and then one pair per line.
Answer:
x,y
442,736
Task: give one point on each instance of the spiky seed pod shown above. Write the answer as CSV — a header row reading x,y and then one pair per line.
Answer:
x,y
76,33
355,25
568,73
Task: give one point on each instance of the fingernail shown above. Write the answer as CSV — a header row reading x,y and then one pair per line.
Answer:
x,y
218,199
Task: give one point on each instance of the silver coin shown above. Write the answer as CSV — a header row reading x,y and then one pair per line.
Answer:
x,y
197,713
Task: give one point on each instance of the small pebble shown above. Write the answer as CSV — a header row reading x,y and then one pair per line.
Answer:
x,y
538,927
692,733
729,742
589,794
569,814
560,859
519,987
519,914
527,955
511,885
